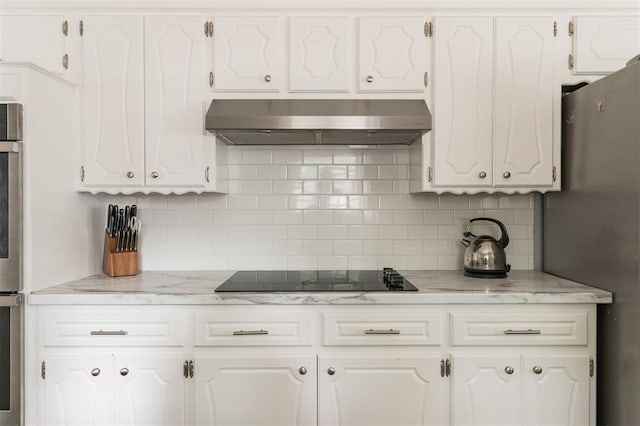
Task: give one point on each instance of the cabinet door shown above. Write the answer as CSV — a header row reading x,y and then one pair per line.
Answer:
x,y
247,54
484,393
556,390
78,390
524,102
382,390
35,39
113,101
268,390
176,59
603,44
318,56
463,95
148,390
392,54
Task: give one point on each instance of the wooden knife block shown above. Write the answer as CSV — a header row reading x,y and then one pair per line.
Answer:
x,y
118,263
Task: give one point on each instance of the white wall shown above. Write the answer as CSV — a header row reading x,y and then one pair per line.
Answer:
x,y
320,207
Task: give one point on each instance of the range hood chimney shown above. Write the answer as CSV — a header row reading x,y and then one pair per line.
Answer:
x,y
318,121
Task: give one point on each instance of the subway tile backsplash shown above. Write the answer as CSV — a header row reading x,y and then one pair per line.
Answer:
x,y
322,208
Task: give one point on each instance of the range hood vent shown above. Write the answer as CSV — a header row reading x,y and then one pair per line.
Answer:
x,y
318,121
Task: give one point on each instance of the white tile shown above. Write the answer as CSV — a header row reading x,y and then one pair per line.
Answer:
x,y
287,186
272,232
302,262
278,171
347,217
362,172
347,247
288,247
438,217
212,201
422,262
227,217
250,156
332,172
287,156
523,217
154,201
516,201
393,172
273,202
242,262
302,232
363,262
196,217
435,247
401,187
302,172
378,217
318,217
422,232
264,248
392,232
395,202
333,201
163,248
347,157
332,232
364,201
242,232
377,187
491,202
234,155
407,248
181,232
317,187
160,217
374,156
519,262
212,262
149,262
212,232
505,216
401,156
317,247
182,202
333,263
256,187
522,246
272,263
424,201
449,201
235,187
223,248
347,187
180,263
450,232
302,201
377,247
196,248
155,232
450,262
257,217
243,172
519,232
288,217
464,215
396,262
317,157
241,202
363,232
409,217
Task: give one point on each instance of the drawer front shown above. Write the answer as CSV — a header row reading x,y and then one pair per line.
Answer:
x,y
531,328
253,329
382,328
113,329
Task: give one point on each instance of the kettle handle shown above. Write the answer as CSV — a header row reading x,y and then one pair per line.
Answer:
x,y
504,238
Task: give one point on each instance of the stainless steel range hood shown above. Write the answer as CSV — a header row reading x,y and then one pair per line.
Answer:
x,y
318,121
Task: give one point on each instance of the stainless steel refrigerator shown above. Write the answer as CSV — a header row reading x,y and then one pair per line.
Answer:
x,y
591,230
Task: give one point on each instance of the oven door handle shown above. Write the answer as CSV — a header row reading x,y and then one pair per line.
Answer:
x,y
11,300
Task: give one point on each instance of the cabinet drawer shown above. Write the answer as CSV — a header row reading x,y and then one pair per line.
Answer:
x,y
531,328
113,329
382,328
253,329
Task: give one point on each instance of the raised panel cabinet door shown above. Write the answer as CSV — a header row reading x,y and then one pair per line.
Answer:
x,y
247,54
255,390
524,102
113,101
148,390
382,390
556,390
78,391
35,39
463,101
176,64
318,54
486,390
604,44
392,54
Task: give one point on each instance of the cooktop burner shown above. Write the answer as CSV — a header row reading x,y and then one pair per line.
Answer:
x,y
316,281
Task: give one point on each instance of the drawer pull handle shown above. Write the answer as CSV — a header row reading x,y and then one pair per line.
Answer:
x,y
250,332
527,331
109,332
389,331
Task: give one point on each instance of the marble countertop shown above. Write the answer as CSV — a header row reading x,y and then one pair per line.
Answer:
x,y
434,287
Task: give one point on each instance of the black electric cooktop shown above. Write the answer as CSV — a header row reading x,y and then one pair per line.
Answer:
x,y
316,281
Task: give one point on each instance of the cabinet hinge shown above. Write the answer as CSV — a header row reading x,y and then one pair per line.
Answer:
x,y
592,367
555,28
191,368
570,61
429,174
571,28
447,368
426,79
43,370
65,61
428,29
65,28
553,173
81,173
81,28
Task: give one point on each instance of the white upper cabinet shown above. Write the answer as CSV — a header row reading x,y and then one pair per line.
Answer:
x,y
463,99
393,54
248,54
604,44
113,101
524,96
318,54
36,39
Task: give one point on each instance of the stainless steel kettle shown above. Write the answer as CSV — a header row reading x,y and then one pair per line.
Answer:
x,y
484,256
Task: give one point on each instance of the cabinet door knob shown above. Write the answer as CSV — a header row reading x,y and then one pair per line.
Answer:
x,y
537,369
154,175
95,372
482,174
509,369
369,79
331,371
302,371
506,175
124,371
130,174
267,78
